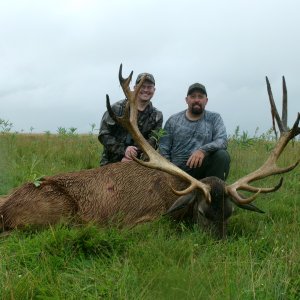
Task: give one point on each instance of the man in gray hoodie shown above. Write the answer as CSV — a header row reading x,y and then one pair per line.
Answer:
x,y
196,139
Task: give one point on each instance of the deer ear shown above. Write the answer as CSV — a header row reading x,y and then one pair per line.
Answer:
x,y
181,202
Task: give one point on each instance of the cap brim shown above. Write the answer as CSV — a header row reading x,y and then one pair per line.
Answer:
x,y
197,89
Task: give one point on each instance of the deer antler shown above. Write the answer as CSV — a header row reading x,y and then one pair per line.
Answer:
x,y
156,161
269,167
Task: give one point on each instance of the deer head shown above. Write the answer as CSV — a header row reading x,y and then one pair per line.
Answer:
x,y
209,200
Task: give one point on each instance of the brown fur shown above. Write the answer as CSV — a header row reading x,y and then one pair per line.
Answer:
x,y
127,193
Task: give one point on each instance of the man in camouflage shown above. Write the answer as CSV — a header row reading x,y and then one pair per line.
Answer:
x,y
118,144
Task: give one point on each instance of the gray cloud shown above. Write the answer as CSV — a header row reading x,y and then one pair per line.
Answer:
x,y
58,59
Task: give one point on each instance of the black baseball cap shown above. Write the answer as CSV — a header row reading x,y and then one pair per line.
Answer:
x,y
196,87
149,77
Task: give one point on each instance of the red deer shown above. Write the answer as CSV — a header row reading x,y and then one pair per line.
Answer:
x,y
130,193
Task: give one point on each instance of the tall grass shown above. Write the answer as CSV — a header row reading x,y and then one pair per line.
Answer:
x,y
159,260
25,157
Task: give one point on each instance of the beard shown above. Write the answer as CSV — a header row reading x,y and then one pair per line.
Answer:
x,y
197,109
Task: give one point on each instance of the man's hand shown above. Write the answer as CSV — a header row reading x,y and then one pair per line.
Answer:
x,y
129,153
196,159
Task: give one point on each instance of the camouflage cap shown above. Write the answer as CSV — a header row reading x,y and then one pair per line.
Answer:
x,y
196,87
149,77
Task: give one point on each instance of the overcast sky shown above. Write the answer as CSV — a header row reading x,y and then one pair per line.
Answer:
x,y
58,59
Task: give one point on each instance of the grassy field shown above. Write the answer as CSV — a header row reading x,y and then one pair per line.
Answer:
x,y
260,259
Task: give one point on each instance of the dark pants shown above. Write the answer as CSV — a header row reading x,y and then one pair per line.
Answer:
x,y
215,164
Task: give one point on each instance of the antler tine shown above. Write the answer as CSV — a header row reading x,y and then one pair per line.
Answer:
x,y
121,79
296,128
242,200
284,104
274,111
156,161
125,84
269,167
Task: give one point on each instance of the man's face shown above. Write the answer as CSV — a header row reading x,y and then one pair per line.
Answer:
x,y
196,102
147,91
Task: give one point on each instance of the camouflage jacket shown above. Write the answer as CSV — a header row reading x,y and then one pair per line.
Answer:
x,y
115,139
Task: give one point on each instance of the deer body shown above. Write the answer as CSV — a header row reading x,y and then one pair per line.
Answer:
x,y
103,196
127,191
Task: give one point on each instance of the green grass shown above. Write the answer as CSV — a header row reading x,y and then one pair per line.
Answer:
x,y
25,157
260,259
